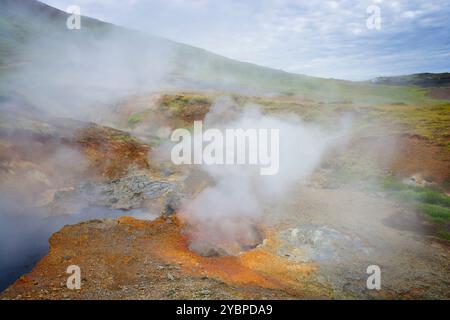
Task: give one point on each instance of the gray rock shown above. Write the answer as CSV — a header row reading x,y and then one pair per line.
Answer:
x,y
173,203
312,242
125,193
170,276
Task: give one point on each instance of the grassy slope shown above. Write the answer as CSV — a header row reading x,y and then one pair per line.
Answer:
x,y
23,20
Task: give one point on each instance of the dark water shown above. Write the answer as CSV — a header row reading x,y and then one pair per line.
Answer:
x,y
24,236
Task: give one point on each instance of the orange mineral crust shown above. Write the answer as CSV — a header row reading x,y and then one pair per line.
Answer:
x,y
257,267
130,258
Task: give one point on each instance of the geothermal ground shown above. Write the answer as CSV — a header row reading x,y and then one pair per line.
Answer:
x,y
351,212
86,177
315,254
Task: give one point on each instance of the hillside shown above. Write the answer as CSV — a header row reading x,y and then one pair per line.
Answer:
x,y
134,56
418,79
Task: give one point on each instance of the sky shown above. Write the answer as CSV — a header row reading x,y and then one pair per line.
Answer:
x,y
322,38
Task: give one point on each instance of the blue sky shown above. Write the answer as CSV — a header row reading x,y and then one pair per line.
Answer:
x,y
314,37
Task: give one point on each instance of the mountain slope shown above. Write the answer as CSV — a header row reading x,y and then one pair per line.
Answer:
x,y
418,79
34,37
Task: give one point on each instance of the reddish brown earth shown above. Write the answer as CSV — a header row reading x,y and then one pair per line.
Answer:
x,y
404,155
150,260
111,152
135,259
440,93
103,152
414,155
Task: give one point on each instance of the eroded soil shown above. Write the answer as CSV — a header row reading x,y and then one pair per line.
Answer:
x,y
322,251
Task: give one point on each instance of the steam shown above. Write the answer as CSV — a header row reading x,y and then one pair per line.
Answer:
x,y
59,73
87,75
227,217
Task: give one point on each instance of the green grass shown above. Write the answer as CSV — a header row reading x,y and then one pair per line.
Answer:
x,y
213,68
389,183
436,213
433,203
444,234
176,104
430,121
407,192
137,117
156,141
123,137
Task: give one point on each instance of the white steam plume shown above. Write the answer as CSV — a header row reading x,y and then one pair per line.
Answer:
x,y
224,218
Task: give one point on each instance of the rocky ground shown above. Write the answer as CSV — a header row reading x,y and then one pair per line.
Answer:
x,y
322,251
132,259
345,231
317,244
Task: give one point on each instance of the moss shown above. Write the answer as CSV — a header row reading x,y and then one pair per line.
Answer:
x,y
124,138
444,234
137,117
134,119
184,100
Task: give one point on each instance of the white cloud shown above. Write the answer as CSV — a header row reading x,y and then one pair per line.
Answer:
x,y
325,38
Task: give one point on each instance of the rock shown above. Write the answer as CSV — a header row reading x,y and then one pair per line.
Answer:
x,y
205,292
312,242
166,172
418,180
173,203
129,192
170,276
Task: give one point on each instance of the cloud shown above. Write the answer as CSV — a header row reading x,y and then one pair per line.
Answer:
x,y
316,37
